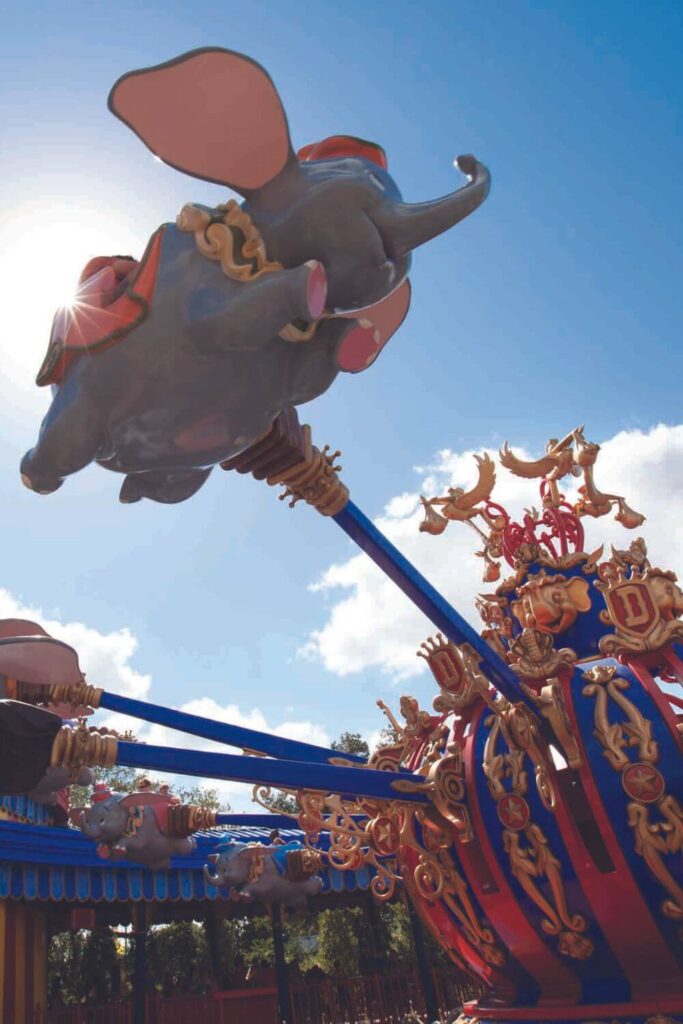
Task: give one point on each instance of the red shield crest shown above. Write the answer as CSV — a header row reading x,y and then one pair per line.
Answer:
x,y
631,607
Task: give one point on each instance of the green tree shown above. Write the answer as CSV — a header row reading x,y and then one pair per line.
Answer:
x,y
283,803
83,965
121,779
178,958
99,965
65,955
256,941
399,940
338,950
351,743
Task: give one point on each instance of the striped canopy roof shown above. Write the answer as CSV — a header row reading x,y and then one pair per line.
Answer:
x,y
61,864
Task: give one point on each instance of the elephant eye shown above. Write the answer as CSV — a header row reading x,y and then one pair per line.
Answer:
x,y
377,181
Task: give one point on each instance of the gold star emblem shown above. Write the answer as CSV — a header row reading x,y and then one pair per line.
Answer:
x,y
385,835
513,811
643,782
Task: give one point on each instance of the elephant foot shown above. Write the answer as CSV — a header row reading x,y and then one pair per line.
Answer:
x,y
38,482
359,347
130,492
166,488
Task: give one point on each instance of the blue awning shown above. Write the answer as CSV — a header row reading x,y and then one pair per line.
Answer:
x,y
61,864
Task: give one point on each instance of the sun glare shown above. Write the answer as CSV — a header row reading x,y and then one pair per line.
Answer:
x,y
42,253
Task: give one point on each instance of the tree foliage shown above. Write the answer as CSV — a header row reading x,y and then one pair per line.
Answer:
x,y
281,802
339,942
178,958
121,779
351,743
84,966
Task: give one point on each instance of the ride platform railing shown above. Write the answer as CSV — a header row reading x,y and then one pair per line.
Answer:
x,y
380,998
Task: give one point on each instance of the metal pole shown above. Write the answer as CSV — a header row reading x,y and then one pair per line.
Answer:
x,y
367,782
423,968
222,732
140,963
425,597
284,1004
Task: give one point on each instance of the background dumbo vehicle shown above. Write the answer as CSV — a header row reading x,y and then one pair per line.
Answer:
x,y
133,827
34,660
271,874
56,779
234,313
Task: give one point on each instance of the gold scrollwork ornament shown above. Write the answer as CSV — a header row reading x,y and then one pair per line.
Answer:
x,y
644,784
526,845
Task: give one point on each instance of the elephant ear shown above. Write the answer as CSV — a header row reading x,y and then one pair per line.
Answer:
x,y
39,659
375,325
211,113
20,627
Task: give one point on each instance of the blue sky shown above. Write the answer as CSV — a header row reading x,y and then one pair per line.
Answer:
x,y
558,302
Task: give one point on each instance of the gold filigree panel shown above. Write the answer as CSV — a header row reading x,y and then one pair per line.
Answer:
x,y
655,816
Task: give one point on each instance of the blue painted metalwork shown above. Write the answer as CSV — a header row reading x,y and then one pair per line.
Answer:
x,y
363,782
615,799
600,975
427,599
222,732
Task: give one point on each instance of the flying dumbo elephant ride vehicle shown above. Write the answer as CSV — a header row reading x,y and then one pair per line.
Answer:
x,y
168,365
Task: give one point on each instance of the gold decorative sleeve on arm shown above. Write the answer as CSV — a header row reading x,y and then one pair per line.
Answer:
x,y
315,481
80,748
184,819
286,456
76,693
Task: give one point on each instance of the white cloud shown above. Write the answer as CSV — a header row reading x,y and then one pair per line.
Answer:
x,y
373,625
105,658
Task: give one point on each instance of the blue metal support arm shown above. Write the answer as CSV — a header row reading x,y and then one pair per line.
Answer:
x,y
427,599
357,782
222,732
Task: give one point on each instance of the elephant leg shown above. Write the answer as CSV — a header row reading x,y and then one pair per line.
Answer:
x,y
166,488
225,319
70,437
184,847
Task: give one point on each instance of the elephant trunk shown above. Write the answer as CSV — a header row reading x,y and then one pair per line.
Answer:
x,y
405,226
210,878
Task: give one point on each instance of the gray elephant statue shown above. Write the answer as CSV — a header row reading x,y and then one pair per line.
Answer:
x,y
147,827
281,873
167,365
56,779
50,791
